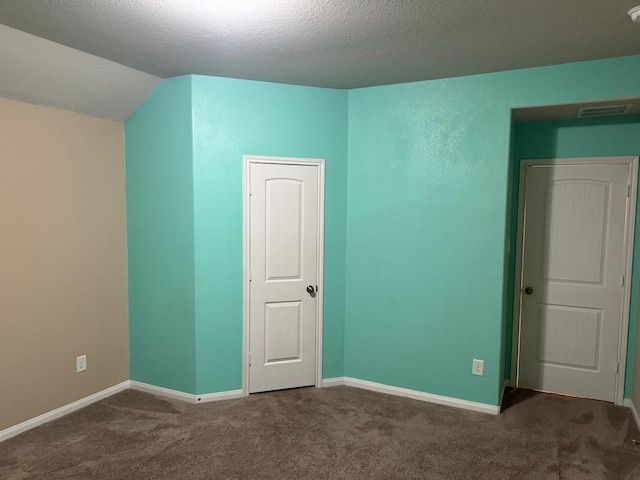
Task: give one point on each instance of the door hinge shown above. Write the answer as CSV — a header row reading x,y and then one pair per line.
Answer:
x,y
250,189
628,191
622,281
250,275
249,359
617,367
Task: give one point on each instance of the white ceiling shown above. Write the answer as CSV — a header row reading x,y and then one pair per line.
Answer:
x,y
326,43
332,43
46,73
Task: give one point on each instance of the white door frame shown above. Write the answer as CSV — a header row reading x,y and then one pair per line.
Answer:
x,y
247,160
630,221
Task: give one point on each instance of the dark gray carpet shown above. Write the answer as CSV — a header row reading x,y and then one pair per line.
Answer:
x,y
330,433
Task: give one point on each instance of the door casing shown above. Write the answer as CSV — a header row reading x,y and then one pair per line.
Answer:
x,y
630,218
247,160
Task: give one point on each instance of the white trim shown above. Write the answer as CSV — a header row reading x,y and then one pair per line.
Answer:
x,y
320,274
320,164
630,226
632,162
101,395
629,404
162,391
185,397
246,224
218,396
414,394
61,411
233,394
333,382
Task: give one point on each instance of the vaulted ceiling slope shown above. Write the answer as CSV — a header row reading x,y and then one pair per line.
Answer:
x,y
332,43
42,72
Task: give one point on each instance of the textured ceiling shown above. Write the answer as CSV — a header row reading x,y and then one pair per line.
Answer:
x,y
332,43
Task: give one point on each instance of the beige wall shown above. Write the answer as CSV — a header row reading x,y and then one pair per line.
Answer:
x,y
63,278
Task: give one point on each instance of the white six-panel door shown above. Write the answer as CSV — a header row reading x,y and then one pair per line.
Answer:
x,y
572,278
283,262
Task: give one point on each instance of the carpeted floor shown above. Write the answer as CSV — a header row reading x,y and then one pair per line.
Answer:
x,y
330,433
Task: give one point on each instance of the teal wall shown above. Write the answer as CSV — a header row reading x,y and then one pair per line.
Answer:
x,y
160,238
610,136
427,221
416,225
184,149
232,118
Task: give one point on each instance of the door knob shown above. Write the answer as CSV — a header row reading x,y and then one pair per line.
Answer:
x,y
311,290
528,290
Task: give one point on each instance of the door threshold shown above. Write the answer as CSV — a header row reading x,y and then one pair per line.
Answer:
x,y
560,394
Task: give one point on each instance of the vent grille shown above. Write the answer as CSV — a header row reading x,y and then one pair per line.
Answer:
x,y
590,112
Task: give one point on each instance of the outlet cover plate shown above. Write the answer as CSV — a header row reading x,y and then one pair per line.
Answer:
x,y
478,367
81,363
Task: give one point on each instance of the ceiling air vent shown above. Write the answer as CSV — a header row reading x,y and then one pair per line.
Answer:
x,y
605,111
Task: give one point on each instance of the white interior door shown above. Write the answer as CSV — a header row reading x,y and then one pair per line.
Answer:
x,y
572,278
283,237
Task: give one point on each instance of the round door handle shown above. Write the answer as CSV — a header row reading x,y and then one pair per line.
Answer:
x,y
528,290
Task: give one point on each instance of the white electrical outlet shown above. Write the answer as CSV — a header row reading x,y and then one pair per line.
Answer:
x,y
81,363
478,367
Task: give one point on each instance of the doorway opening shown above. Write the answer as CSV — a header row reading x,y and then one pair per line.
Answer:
x,y
283,271
557,139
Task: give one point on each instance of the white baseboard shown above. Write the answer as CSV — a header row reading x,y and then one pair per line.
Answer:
x,y
164,392
83,402
216,397
231,394
59,412
185,397
414,394
333,382
628,403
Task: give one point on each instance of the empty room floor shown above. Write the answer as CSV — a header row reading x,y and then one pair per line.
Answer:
x,y
329,433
